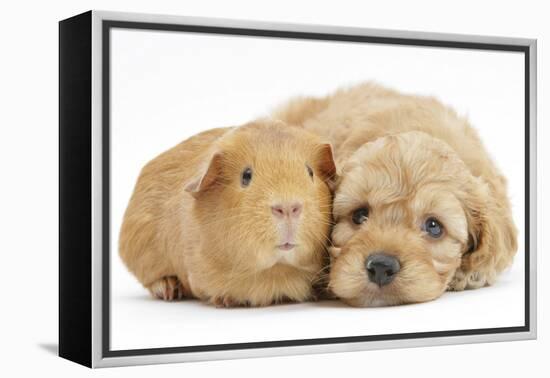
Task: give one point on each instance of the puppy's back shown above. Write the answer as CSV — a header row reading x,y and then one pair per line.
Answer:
x,y
360,114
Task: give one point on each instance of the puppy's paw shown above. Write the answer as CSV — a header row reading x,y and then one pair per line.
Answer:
x,y
470,280
168,288
224,301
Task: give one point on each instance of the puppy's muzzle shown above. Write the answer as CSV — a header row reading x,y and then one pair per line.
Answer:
x,y
381,268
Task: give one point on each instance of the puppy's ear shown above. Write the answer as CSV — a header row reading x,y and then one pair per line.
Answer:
x,y
206,177
492,235
326,165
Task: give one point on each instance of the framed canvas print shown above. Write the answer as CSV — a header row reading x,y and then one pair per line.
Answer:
x,y
233,189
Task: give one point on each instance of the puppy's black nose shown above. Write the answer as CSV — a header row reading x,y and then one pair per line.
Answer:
x,y
381,268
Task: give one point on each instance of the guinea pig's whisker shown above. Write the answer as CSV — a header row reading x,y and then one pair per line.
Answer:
x,y
324,271
318,235
327,223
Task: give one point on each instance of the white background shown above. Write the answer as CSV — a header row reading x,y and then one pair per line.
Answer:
x,y
29,186
167,86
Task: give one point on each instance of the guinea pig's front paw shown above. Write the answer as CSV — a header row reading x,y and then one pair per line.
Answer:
x,y
225,301
167,288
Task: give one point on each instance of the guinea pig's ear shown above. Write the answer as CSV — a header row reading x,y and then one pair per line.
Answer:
x,y
492,235
326,165
206,176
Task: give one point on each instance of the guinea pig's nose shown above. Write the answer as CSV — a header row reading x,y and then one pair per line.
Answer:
x,y
283,210
381,268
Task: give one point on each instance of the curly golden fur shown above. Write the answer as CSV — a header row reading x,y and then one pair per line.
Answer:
x,y
192,229
408,158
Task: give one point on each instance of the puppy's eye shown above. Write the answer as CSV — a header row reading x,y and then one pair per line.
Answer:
x,y
309,171
246,177
360,215
433,227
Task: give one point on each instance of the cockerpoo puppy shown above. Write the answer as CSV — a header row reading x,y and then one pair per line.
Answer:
x,y
419,208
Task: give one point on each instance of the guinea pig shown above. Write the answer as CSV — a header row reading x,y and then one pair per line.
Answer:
x,y
233,216
419,208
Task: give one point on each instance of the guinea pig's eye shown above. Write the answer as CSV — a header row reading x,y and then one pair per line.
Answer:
x,y
433,227
246,177
360,215
309,171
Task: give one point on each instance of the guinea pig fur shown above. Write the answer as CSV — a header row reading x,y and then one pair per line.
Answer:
x,y
234,216
419,208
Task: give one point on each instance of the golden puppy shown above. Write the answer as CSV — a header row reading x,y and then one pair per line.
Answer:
x,y
420,208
